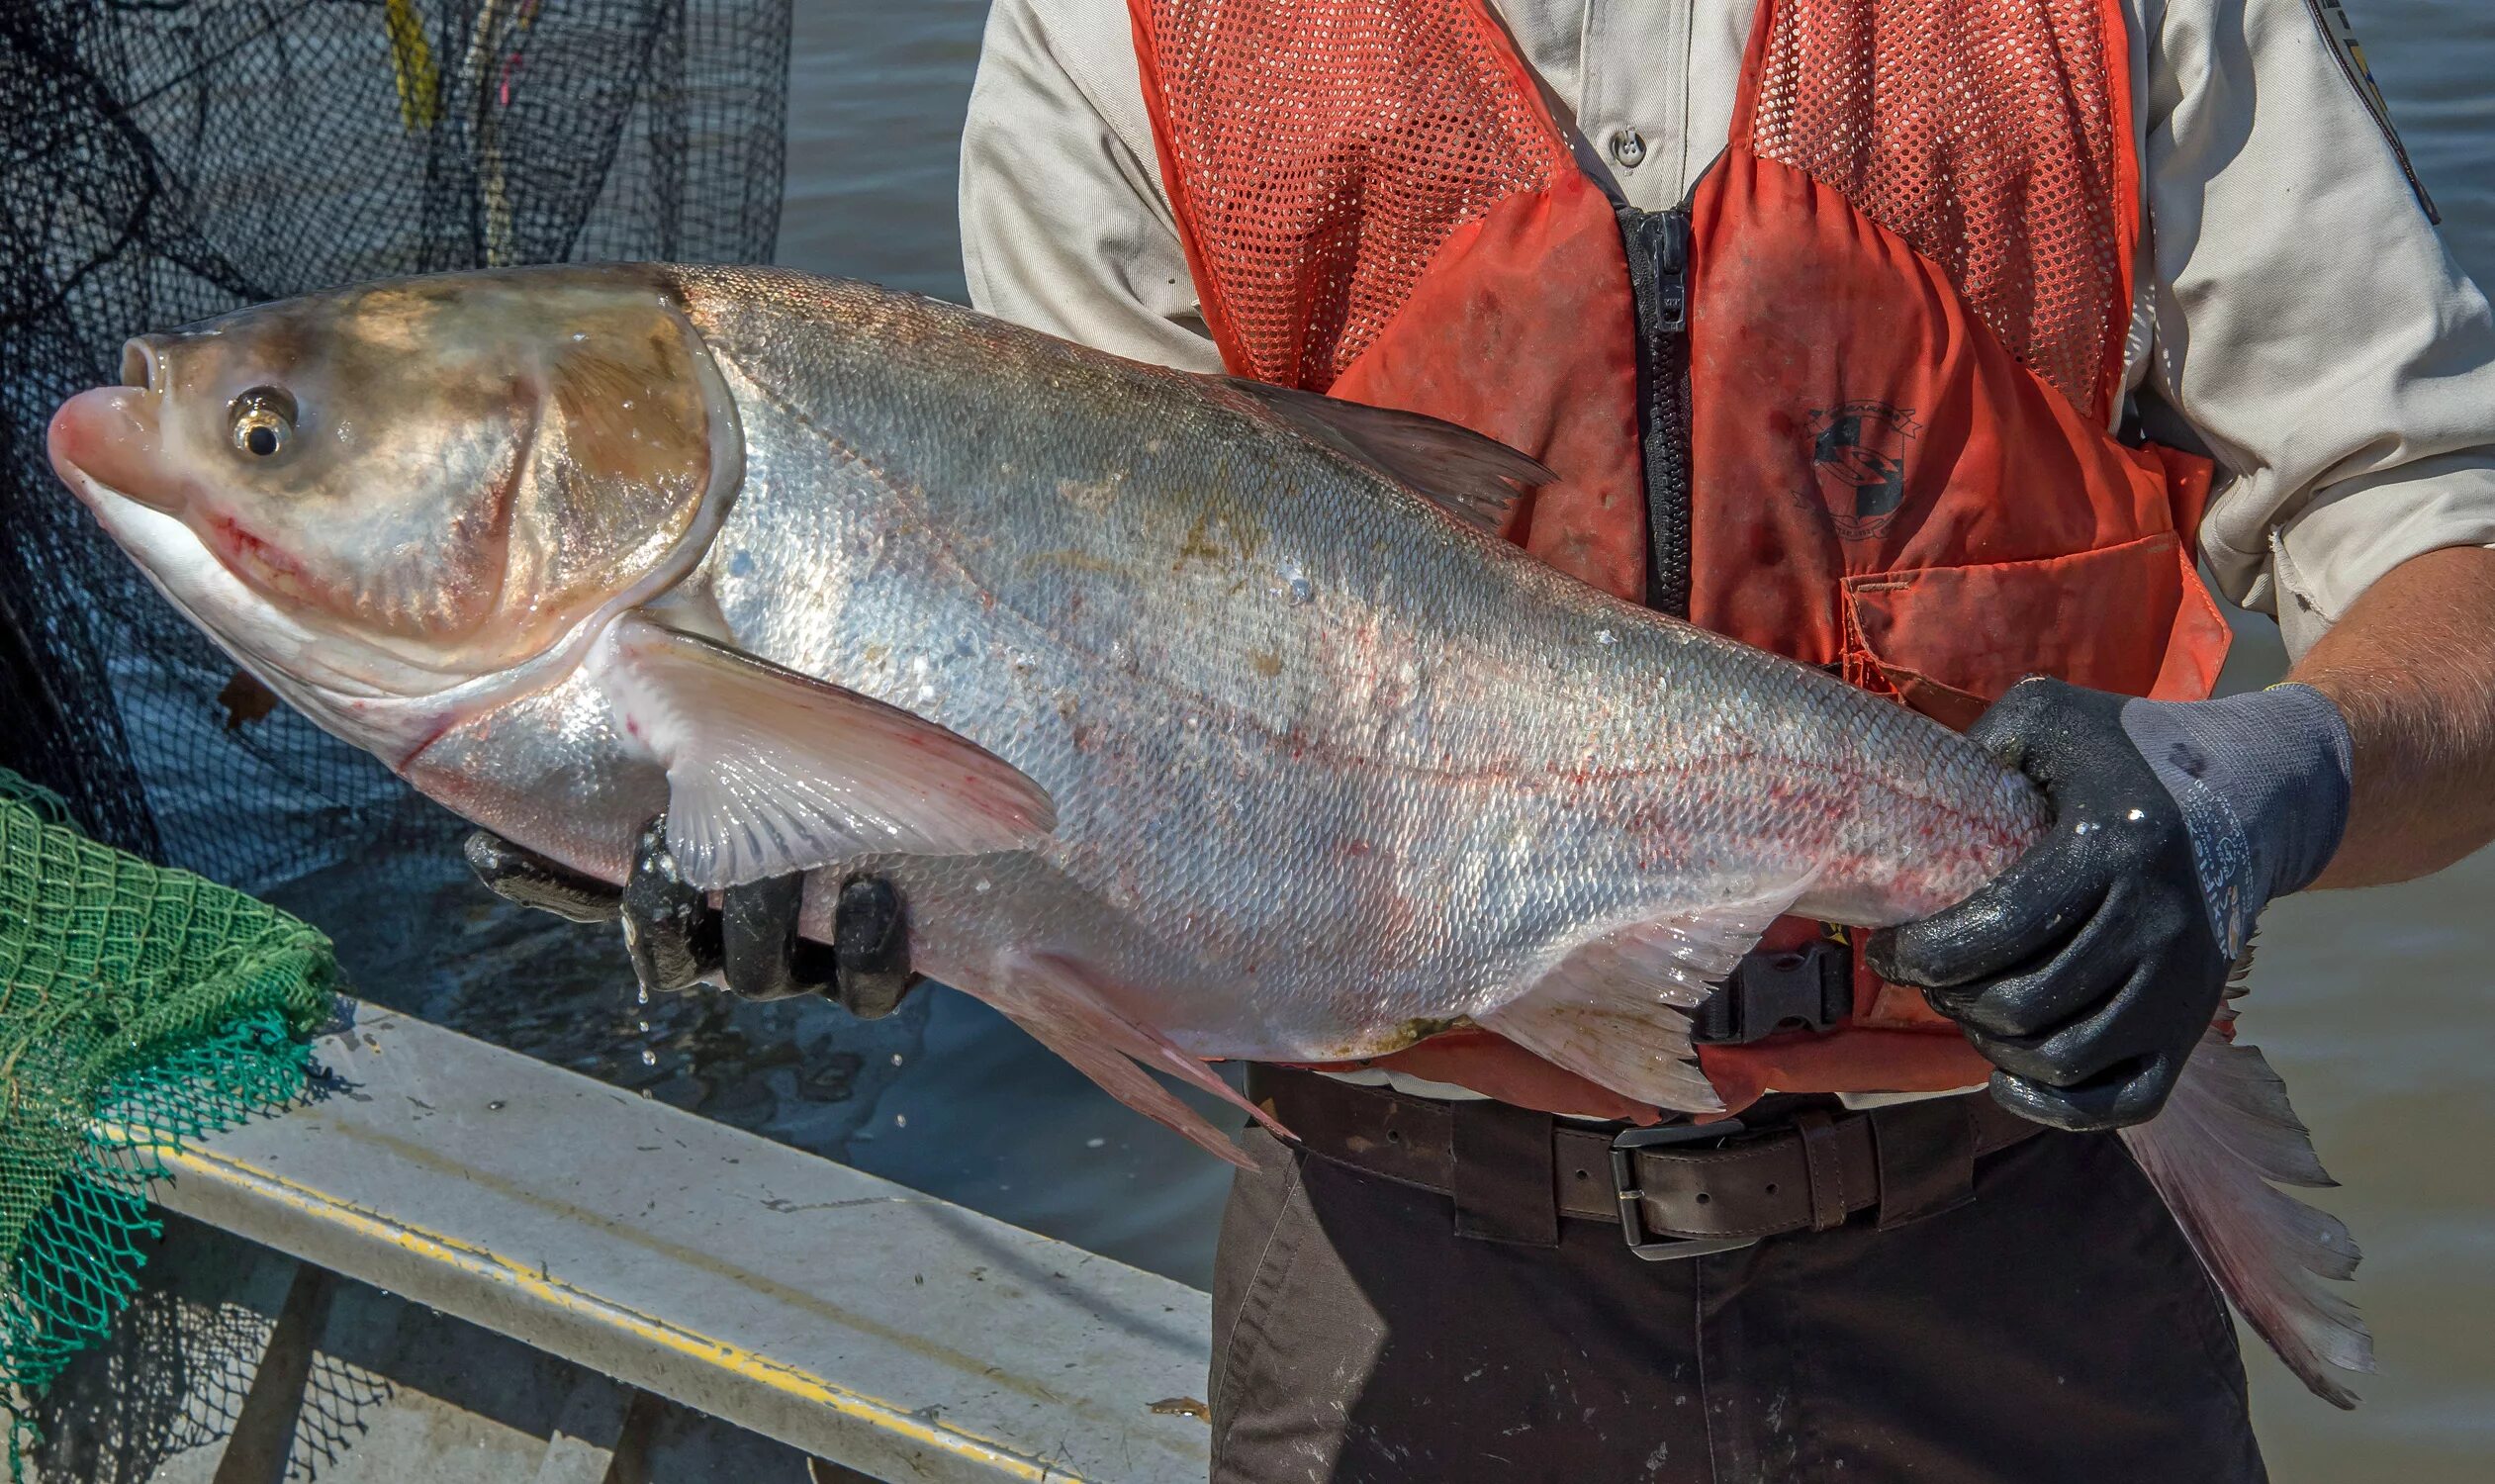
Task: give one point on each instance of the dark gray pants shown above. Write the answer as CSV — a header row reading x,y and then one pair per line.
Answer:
x,y
2057,1328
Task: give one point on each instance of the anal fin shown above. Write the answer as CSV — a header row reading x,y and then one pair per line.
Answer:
x,y
1056,1002
1616,1009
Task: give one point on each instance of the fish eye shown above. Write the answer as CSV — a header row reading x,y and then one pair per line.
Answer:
x,y
264,422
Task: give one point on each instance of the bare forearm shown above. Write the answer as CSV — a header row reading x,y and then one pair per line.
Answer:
x,y
2412,667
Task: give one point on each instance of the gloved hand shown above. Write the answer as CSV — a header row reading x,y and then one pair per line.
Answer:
x,y
2088,971
675,937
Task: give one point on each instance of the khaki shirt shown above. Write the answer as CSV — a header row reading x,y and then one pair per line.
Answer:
x,y
2298,317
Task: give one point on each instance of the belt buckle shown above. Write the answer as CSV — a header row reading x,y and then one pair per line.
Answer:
x,y
1633,1198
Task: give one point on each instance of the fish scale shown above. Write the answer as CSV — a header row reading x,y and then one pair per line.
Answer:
x,y
1192,719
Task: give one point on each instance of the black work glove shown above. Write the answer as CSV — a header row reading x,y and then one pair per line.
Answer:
x,y
2088,971
676,938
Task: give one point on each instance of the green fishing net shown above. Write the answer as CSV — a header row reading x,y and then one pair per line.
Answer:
x,y
138,1007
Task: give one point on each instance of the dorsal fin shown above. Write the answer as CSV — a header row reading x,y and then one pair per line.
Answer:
x,y
1476,480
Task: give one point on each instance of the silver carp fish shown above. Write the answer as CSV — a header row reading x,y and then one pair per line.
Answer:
x,y
1194,718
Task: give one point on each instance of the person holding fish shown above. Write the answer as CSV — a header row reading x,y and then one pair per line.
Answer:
x,y
1903,337
1461,586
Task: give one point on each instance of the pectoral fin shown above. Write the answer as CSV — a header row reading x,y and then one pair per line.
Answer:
x,y
770,771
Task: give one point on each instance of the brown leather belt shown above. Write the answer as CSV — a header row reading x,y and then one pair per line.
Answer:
x,y
1672,1193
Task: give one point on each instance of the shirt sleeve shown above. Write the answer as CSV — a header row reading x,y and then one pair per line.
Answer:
x,y
2306,320
1064,226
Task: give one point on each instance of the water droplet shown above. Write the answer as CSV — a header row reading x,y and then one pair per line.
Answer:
x,y
1606,636
1094,1143
983,886
897,1059
642,1026
1300,591
649,1057
900,1120
2135,815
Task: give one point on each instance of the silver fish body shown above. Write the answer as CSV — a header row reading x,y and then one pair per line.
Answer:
x,y
1193,719
1330,768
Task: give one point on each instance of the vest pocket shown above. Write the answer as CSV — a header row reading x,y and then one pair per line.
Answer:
x,y
2133,619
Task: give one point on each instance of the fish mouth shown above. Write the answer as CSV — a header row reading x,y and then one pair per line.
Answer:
x,y
346,690
106,440
105,444
259,635
366,697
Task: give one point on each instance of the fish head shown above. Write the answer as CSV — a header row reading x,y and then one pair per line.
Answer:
x,y
402,502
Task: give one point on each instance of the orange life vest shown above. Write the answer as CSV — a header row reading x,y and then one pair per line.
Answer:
x,y
1898,300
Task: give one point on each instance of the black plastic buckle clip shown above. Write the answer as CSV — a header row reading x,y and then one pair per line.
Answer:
x,y
1810,987
1633,1198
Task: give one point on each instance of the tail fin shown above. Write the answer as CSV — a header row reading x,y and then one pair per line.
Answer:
x,y
2213,1154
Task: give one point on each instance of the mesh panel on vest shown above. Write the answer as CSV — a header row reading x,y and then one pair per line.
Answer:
x,y
1326,150
1983,131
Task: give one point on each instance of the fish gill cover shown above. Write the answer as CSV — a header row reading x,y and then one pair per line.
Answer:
x,y
160,163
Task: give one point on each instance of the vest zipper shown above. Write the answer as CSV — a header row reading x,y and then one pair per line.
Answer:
x,y
1658,248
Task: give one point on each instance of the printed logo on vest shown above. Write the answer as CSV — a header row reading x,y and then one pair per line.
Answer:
x,y
1859,456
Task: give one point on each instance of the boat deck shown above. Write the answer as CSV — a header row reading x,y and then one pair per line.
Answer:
x,y
629,1272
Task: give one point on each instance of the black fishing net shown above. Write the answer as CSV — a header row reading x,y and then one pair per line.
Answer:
x,y
166,161
162,162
